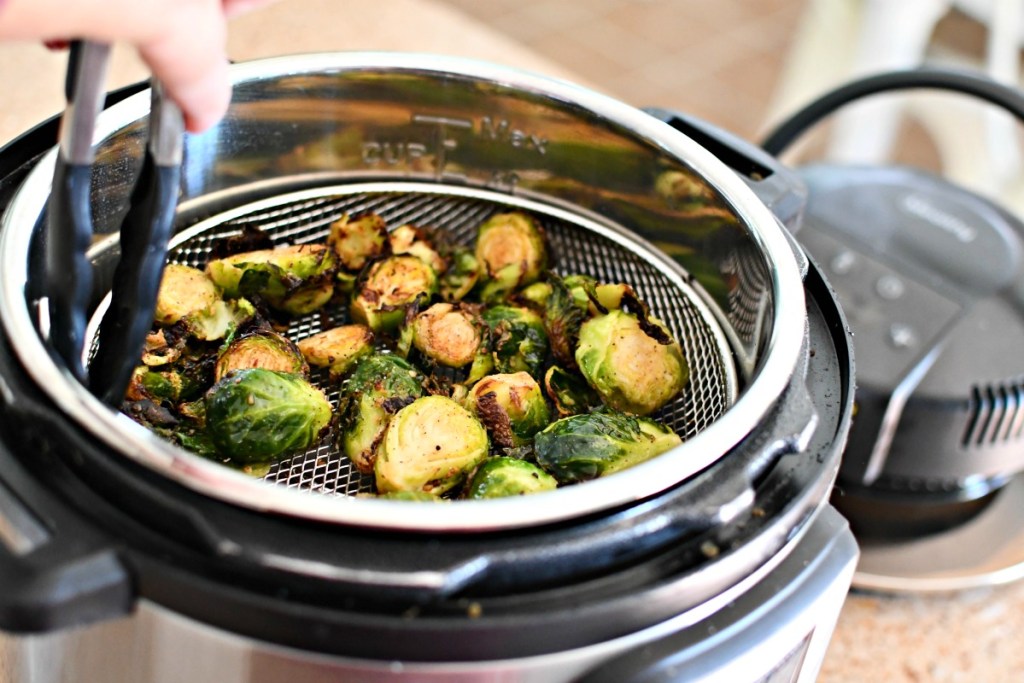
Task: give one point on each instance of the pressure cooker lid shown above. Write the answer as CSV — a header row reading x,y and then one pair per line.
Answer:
x,y
449,142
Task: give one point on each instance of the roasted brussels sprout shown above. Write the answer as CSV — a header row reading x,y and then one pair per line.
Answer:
x,y
596,444
356,241
562,320
218,320
512,252
461,276
413,496
171,383
629,369
511,406
569,392
380,384
261,348
337,348
183,290
430,445
408,239
597,297
501,477
447,334
296,280
257,415
518,340
389,287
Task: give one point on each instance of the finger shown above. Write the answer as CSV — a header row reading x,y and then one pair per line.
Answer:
x,y
193,67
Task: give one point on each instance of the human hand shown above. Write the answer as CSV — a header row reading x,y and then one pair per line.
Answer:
x,y
182,41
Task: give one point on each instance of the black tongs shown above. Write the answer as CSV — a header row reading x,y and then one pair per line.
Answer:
x,y
144,232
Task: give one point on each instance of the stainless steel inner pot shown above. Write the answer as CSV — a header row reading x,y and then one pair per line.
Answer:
x,y
446,141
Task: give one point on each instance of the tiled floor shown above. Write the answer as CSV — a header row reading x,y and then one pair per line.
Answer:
x,y
716,59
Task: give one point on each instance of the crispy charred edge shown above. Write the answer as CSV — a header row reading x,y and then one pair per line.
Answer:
x,y
632,303
250,239
495,419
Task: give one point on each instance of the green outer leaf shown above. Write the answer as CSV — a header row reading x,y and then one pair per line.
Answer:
x,y
501,477
592,445
257,415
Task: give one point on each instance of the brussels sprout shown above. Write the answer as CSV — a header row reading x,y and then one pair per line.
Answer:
x,y
534,296
596,444
257,415
391,285
337,348
461,276
183,290
512,252
569,392
219,320
596,297
380,384
165,385
562,321
430,445
414,496
447,334
162,347
356,241
511,406
518,340
297,280
408,239
261,349
632,371
502,477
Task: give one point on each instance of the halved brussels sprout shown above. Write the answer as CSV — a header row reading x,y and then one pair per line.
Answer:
x,y
512,252
356,241
447,334
163,347
591,445
632,371
511,406
518,340
257,415
389,287
262,348
337,348
461,276
430,445
183,290
182,381
501,477
380,384
408,239
297,279
219,320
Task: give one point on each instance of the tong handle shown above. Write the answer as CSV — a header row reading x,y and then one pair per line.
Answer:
x,y
145,232
68,271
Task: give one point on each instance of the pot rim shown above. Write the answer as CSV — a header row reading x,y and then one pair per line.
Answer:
x,y
780,354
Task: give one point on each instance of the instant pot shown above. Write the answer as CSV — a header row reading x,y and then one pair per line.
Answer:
x,y
126,558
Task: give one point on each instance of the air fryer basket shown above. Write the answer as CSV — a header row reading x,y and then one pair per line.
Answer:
x,y
445,143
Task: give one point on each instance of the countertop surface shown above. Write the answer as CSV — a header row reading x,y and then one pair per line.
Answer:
x,y
970,636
